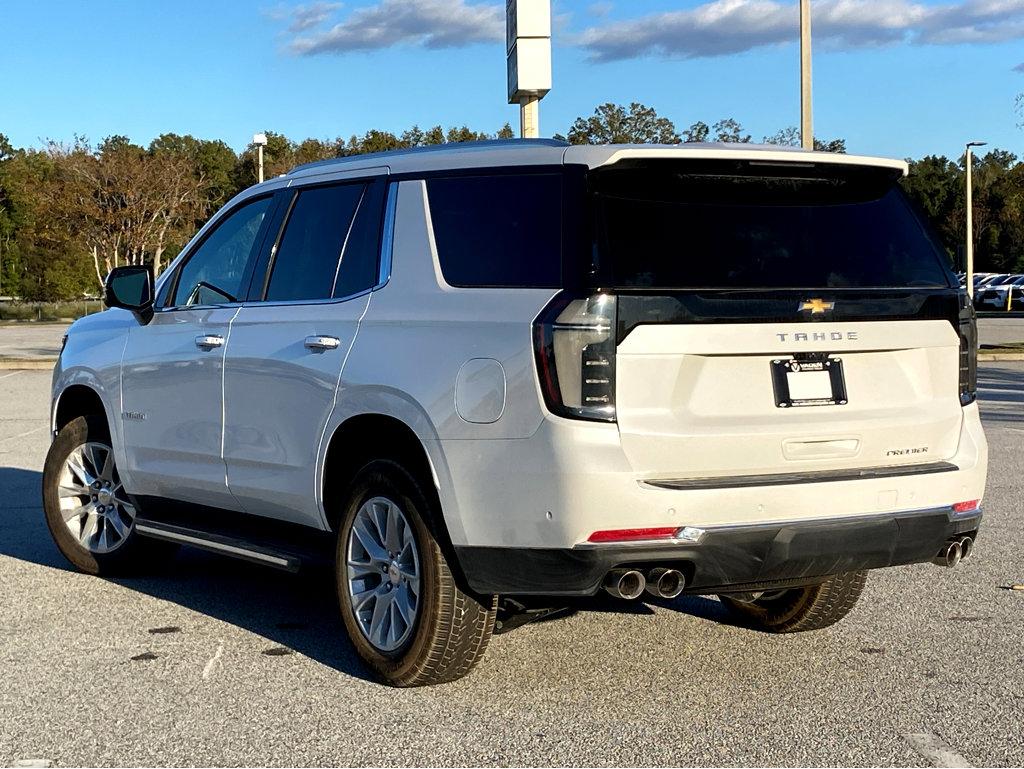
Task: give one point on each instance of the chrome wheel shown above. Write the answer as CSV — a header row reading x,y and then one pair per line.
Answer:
x,y
383,570
92,501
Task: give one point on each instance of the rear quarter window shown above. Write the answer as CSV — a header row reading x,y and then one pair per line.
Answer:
x,y
498,231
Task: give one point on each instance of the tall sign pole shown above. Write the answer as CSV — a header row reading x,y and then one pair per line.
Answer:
x,y
260,140
528,49
806,127
969,245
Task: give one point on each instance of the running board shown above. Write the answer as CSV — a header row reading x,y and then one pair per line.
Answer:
x,y
218,543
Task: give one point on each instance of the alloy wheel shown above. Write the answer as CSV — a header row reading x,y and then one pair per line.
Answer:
x,y
383,569
93,502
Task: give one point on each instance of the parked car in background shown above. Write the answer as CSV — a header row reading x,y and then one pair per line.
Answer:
x,y
487,374
992,278
999,295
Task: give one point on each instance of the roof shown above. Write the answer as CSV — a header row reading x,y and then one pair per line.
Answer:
x,y
532,152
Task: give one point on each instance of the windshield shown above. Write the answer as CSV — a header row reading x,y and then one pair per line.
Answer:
x,y
673,226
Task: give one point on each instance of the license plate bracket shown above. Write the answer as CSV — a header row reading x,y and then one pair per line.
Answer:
x,y
808,379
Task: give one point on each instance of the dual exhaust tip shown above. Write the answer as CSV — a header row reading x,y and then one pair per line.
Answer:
x,y
629,584
953,552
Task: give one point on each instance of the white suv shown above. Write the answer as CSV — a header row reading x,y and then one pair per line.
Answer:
x,y
485,372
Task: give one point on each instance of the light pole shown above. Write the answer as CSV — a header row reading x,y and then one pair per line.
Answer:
x,y
260,140
806,130
970,219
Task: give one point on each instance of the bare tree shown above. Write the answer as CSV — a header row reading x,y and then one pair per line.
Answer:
x,y
123,202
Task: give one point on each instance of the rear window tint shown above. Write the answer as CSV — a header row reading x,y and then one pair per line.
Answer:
x,y
498,231
360,262
306,262
672,229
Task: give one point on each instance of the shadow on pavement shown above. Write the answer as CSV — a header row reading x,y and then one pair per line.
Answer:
x,y
296,611
1001,393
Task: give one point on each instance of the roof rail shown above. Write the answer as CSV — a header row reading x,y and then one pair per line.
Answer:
x,y
447,146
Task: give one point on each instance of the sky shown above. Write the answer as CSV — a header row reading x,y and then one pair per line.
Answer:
x,y
892,77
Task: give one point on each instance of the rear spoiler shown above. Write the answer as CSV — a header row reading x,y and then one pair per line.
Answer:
x,y
606,155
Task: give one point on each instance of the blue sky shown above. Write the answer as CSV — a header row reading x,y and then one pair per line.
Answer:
x,y
892,77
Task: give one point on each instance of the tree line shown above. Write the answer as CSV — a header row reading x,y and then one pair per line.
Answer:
x,y
69,212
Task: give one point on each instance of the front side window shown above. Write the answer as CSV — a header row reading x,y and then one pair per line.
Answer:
x,y
498,231
308,256
214,273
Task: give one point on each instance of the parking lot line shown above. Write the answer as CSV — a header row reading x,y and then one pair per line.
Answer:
x,y
938,752
214,661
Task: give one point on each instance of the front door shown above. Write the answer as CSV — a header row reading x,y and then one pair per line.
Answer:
x,y
289,344
172,370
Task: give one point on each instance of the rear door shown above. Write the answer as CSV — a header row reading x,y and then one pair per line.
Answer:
x,y
776,320
289,343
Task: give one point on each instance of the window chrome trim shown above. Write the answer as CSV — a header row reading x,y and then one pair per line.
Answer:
x,y
387,241
298,302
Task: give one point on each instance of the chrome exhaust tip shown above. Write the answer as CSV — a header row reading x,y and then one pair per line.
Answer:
x,y
949,556
665,583
966,547
624,583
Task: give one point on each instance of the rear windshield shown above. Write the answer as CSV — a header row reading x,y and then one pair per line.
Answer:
x,y
672,226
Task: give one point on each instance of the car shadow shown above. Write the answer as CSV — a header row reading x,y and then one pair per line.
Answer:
x,y
293,612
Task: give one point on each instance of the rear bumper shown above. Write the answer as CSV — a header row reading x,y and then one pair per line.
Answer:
x,y
726,558
552,491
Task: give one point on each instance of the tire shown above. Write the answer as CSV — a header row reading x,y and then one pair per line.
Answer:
x,y
114,547
449,628
803,608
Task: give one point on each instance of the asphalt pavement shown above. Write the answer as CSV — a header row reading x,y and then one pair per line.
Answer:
x,y
209,661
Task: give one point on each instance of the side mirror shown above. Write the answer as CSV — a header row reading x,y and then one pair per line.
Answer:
x,y
131,288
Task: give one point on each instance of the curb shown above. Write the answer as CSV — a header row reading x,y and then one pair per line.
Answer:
x,y
27,364
984,357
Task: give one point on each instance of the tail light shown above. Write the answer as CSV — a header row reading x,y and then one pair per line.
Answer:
x,y
574,342
968,328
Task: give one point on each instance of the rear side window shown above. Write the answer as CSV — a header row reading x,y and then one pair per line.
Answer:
x,y
360,260
498,231
675,228
306,263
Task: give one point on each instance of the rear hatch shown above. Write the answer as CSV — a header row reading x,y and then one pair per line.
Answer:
x,y
776,319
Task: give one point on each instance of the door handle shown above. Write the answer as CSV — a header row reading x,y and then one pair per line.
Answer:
x,y
209,341
322,343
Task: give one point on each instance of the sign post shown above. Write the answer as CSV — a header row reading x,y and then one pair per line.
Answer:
x,y
528,49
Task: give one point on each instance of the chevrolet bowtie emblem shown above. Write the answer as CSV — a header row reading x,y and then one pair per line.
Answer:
x,y
816,306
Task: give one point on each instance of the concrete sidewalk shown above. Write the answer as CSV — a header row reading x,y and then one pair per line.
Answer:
x,y
28,342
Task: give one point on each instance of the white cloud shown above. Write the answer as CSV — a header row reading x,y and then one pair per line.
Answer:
x,y
600,8
732,26
427,23
311,15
